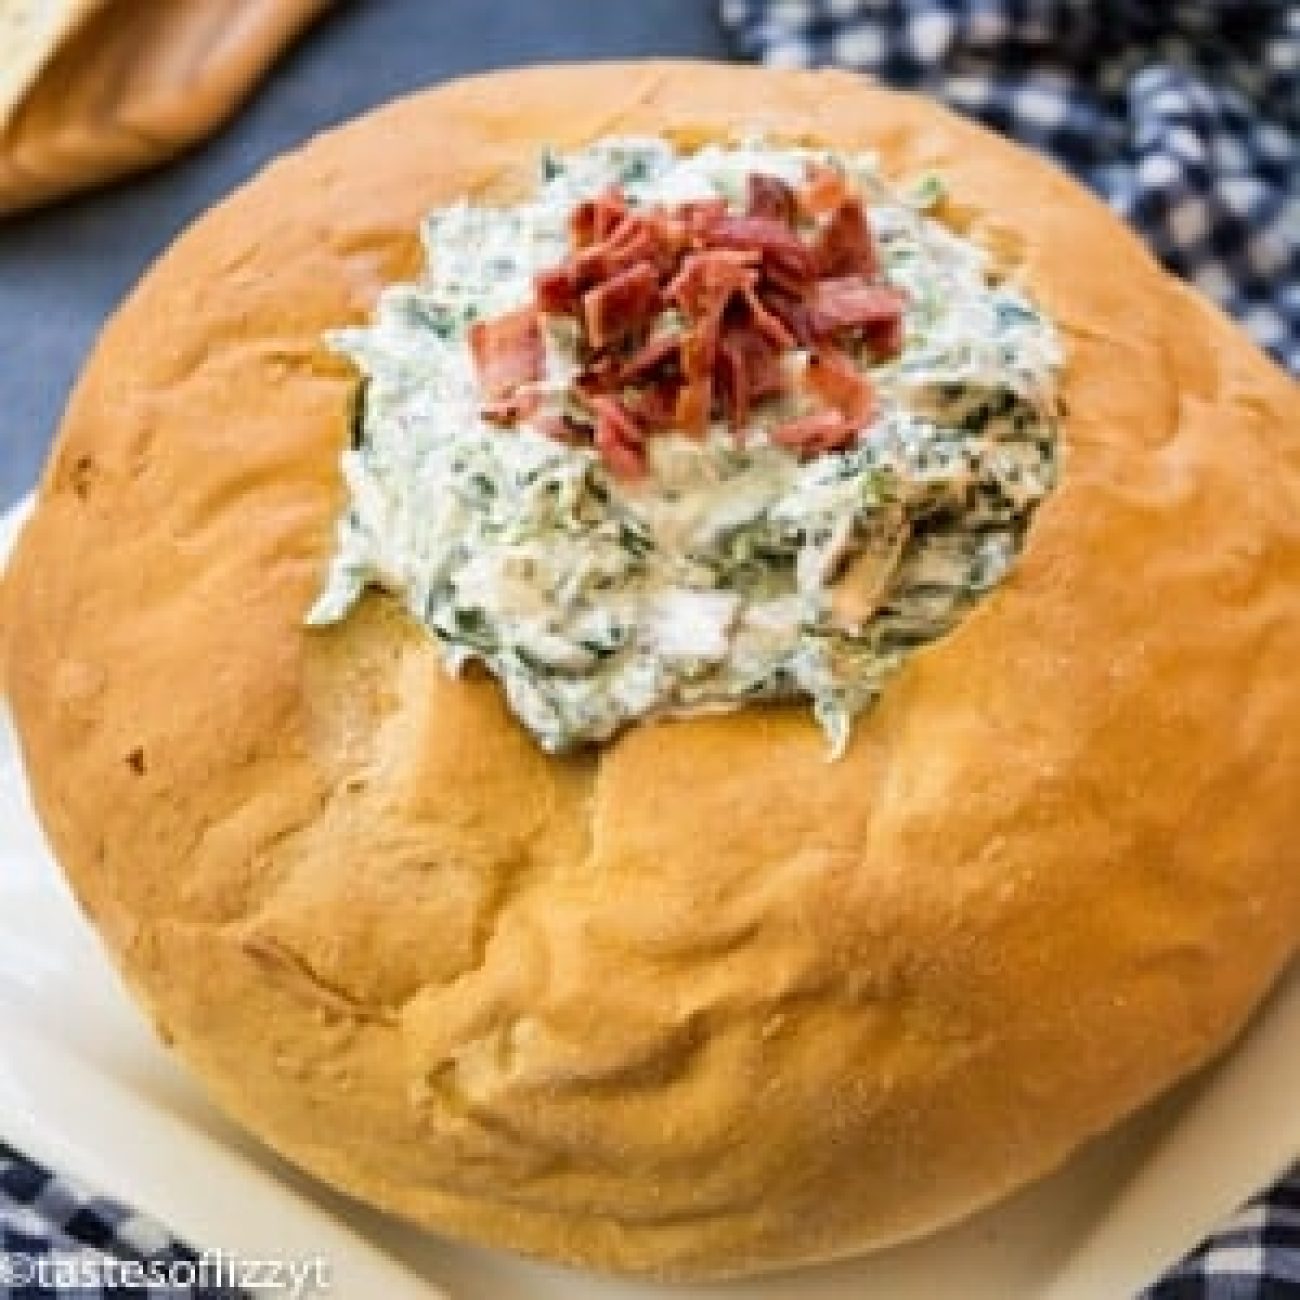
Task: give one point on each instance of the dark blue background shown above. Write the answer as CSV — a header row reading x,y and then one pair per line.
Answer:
x,y
63,269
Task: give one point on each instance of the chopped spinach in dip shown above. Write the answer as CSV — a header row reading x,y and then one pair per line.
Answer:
x,y
734,571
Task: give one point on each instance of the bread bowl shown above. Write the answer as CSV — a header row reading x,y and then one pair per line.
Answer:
x,y
692,1000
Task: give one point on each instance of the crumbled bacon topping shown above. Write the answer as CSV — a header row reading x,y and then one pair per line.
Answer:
x,y
623,307
845,246
619,439
508,353
841,385
691,313
825,190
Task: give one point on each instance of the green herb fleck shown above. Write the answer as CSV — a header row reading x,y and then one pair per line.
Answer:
x,y
552,167
928,192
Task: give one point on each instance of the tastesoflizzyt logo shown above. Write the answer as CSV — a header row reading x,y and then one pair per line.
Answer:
x,y
298,1279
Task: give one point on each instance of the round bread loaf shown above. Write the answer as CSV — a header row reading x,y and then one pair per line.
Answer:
x,y
696,1002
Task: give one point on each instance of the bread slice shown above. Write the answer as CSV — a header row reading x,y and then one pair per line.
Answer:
x,y
92,89
30,32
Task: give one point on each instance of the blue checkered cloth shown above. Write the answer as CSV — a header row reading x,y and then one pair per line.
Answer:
x,y
1183,114
1256,1256
49,1218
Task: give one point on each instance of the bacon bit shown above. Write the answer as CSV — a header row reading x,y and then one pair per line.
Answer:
x,y
700,216
782,250
652,354
632,241
770,197
886,338
706,285
846,246
841,385
774,239
626,461
597,218
767,374
748,370
733,381
706,277
654,405
693,407
811,435
621,306
794,312
557,291
508,352
619,440
601,379
781,277
770,325
699,349
825,191
672,237
854,303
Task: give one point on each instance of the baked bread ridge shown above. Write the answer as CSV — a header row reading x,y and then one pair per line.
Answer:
x,y
703,1004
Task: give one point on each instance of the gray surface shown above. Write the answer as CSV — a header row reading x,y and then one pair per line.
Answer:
x,y
63,270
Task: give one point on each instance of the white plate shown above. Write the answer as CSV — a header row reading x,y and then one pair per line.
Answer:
x,y
85,1086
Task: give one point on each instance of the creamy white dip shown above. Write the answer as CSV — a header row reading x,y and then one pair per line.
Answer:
x,y
729,573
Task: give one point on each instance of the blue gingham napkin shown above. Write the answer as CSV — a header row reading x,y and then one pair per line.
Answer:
x,y
1183,114
59,1239
1255,1256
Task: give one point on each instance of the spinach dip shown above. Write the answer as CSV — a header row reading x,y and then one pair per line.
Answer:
x,y
735,568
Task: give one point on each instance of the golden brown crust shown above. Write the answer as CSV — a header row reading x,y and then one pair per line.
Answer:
x,y
103,88
707,1004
